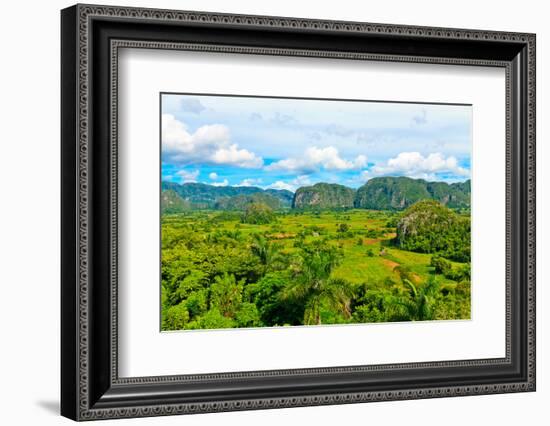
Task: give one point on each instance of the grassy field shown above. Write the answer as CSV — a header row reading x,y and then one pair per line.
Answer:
x,y
209,252
368,256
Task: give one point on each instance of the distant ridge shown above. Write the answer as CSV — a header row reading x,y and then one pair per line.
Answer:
x,y
398,193
323,196
204,196
379,193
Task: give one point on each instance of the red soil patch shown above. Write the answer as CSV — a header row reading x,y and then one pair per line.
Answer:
x,y
281,236
390,263
370,241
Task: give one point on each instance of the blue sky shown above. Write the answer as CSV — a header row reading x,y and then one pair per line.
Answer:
x,y
286,143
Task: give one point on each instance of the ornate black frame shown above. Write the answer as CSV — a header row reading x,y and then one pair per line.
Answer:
x,y
91,37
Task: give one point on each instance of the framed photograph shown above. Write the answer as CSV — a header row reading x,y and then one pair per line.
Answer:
x,y
263,212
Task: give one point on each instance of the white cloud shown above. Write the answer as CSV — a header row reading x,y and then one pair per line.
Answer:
x,y
250,182
232,155
213,176
314,158
281,185
188,176
224,183
414,164
209,144
292,185
302,180
360,162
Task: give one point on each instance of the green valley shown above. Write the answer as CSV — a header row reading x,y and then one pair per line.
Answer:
x,y
395,249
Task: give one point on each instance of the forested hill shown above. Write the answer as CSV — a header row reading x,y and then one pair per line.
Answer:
x,y
398,193
323,195
204,196
380,193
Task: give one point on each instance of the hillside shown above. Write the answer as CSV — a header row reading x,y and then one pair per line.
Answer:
x,y
171,202
381,193
323,196
241,202
204,196
430,227
398,193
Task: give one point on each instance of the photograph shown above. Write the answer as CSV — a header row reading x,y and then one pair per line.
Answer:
x,y
279,211
264,209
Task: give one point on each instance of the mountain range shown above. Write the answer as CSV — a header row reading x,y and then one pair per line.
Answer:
x,y
379,193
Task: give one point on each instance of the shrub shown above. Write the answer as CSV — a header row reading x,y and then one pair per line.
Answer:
x,y
342,227
441,265
176,317
212,319
272,309
196,303
248,315
444,267
367,313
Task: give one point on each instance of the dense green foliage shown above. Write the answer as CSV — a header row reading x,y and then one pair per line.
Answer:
x,y
257,214
241,202
429,227
323,196
260,267
397,193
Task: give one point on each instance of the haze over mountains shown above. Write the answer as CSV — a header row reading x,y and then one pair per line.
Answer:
x,y
380,193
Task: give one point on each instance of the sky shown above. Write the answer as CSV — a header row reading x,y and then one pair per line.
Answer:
x,y
286,143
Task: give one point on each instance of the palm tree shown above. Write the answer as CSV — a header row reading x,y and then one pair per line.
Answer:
x,y
314,287
418,303
268,253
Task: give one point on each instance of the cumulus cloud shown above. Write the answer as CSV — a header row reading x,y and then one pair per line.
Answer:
x,y
188,175
414,164
250,182
302,180
237,157
281,185
209,144
292,185
225,182
192,105
213,176
316,158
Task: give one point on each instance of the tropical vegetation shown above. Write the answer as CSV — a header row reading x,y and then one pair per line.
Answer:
x,y
396,249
